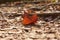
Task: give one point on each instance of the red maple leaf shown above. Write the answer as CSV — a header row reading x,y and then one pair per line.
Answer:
x,y
29,19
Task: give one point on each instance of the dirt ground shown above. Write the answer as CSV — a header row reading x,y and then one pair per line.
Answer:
x,y
11,28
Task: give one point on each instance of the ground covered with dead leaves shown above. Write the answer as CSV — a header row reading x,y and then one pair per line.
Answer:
x,y
11,28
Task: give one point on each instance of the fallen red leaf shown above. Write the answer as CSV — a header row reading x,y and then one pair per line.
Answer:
x,y
29,19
